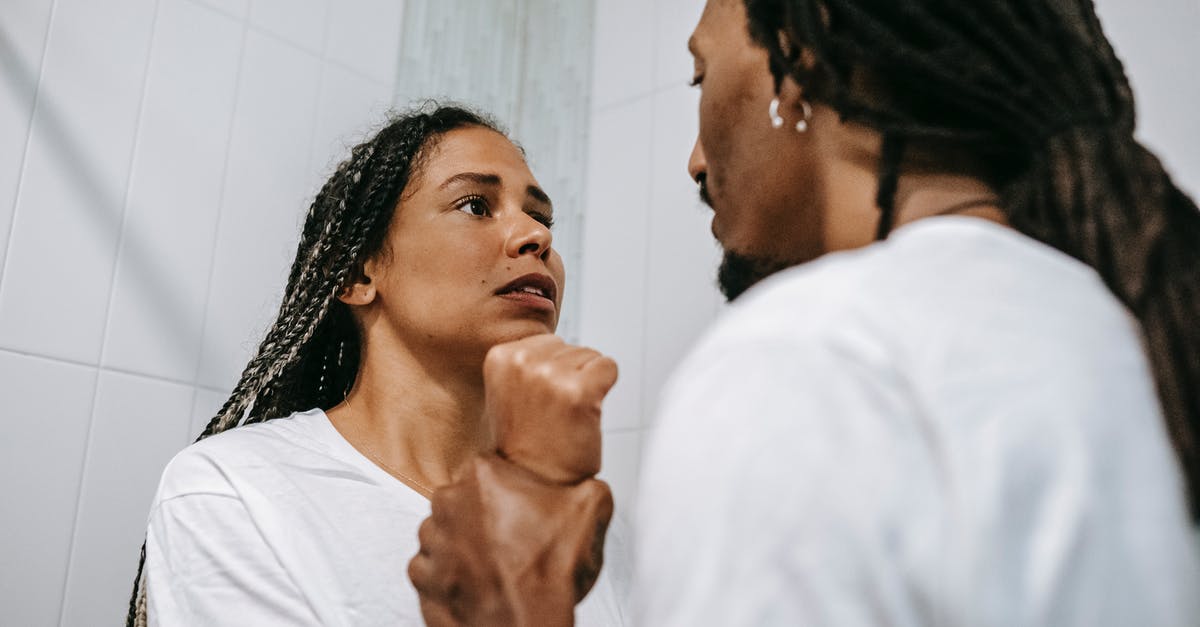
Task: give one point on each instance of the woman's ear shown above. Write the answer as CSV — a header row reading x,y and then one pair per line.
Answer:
x,y
362,290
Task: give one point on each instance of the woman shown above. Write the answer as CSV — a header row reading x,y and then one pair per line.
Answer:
x,y
426,248
975,398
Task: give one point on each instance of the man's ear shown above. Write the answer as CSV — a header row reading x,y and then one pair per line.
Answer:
x,y
792,101
362,290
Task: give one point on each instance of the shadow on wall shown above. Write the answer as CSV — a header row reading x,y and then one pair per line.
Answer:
x,y
22,80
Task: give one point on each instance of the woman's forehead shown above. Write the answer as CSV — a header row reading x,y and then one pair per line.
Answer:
x,y
475,149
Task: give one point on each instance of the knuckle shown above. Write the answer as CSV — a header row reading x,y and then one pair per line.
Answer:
x,y
499,355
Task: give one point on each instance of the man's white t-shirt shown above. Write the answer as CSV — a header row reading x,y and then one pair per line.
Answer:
x,y
957,426
285,523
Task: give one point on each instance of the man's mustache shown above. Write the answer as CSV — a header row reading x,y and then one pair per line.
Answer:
x,y
702,183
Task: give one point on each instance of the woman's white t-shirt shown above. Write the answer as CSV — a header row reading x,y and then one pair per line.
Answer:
x,y
285,523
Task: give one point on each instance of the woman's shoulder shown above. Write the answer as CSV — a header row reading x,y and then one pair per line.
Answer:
x,y
209,466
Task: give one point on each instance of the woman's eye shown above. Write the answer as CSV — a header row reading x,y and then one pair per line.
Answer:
x,y
474,205
696,80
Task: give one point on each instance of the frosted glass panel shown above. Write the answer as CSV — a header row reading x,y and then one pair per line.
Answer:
x,y
527,62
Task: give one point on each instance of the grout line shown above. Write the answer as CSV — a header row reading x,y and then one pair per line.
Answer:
x,y
87,453
642,95
212,258
33,107
642,394
317,54
216,9
120,371
319,97
129,178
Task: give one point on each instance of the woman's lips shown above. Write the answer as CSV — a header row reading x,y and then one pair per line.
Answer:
x,y
533,301
534,290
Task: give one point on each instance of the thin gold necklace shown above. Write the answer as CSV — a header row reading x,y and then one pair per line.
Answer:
x,y
364,447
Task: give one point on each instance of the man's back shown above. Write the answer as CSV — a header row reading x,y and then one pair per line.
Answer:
x,y
957,426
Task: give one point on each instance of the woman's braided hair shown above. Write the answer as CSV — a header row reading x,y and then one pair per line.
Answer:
x,y
1034,90
309,357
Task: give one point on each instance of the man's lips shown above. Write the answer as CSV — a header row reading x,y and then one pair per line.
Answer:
x,y
534,284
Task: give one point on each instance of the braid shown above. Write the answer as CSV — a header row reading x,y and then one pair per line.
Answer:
x,y
309,356
1034,86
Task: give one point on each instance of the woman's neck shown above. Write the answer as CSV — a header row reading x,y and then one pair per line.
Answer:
x,y
415,418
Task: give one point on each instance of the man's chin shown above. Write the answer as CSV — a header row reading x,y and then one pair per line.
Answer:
x,y
739,272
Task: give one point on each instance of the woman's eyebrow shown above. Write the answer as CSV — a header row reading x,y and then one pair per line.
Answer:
x,y
537,194
494,180
479,178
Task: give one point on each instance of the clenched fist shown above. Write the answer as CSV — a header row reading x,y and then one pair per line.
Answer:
x,y
543,403
518,538
505,547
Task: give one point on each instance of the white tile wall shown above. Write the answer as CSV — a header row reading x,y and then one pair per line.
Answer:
x,y
234,8
166,134
137,426
621,460
47,405
204,406
23,25
159,290
300,22
623,51
648,257
363,35
350,106
681,292
674,22
613,284
265,193
1159,50
64,238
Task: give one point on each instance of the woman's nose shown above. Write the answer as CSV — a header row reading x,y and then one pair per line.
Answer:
x,y
529,236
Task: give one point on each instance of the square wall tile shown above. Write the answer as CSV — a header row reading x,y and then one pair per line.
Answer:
x,y
364,35
266,196
350,108
137,426
205,406
623,51
47,409
23,25
300,22
612,290
63,247
681,291
161,283
234,8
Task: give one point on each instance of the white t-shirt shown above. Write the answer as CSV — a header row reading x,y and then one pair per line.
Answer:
x,y
957,426
285,523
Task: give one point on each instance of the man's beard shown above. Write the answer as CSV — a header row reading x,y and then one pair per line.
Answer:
x,y
739,273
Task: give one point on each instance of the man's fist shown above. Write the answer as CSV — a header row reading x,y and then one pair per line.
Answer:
x,y
505,547
543,403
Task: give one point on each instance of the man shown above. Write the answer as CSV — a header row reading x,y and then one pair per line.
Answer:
x,y
940,416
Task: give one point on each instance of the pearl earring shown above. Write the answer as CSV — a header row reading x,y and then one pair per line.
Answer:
x,y
802,125
777,120
773,111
